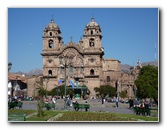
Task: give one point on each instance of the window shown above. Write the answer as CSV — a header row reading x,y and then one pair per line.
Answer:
x,y
50,61
91,42
91,72
91,32
50,72
50,33
91,60
51,45
108,79
71,69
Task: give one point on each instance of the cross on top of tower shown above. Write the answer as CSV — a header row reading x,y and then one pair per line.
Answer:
x,y
71,37
52,19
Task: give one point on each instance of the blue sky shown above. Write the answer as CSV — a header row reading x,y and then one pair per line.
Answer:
x,y
128,33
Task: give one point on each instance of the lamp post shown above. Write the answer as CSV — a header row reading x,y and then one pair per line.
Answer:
x,y
64,65
133,78
16,86
9,66
46,86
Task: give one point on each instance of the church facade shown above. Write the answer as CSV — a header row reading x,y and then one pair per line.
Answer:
x,y
81,62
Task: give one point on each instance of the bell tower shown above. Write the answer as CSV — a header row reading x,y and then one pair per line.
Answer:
x,y
52,41
93,54
52,37
92,35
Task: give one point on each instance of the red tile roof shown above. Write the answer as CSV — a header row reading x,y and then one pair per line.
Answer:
x,y
12,76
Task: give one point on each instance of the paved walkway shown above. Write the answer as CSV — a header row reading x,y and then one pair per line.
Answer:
x,y
95,106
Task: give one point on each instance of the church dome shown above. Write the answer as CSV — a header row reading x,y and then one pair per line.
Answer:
x,y
92,23
52,25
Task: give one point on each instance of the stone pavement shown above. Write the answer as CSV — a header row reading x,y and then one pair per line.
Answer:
x,y
95,106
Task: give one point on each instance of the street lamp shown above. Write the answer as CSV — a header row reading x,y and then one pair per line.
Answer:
x,y
47,85
133,74
9,66
64,65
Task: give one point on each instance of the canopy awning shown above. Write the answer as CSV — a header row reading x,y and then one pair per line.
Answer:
x,y
77,87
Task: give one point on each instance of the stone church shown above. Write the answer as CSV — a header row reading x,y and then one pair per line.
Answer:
x,y
81,62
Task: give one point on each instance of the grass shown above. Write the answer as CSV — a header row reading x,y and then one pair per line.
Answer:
x,y
21,111
103,116
71,116
47,115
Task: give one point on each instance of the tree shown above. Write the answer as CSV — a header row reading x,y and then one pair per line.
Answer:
x,y
123,94
105,90
60,91
40,101
147,83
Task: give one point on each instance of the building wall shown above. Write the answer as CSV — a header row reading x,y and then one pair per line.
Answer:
x,y
33,85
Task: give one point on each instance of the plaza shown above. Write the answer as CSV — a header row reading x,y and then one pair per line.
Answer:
x,y
95,106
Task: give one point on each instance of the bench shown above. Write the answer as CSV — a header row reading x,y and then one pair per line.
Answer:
x,y
76,107
13,105
49,106
19,105
141,110
16,117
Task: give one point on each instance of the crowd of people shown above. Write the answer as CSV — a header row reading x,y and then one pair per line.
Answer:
x,y
141,103
19,98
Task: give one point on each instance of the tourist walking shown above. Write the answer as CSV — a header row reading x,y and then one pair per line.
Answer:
x,y
117,100
54,101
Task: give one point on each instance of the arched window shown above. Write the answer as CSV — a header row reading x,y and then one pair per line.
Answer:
x,y
108,80
92,72
50,44
91,32
91,42
50,72
50,33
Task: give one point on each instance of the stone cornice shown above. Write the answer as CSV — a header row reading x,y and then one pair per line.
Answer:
x,y
92,76
74,46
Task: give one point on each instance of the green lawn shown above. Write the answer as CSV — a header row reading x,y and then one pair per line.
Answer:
x,y
47,115
86,116
103,116
21,111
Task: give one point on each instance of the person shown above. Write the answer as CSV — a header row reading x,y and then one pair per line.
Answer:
x,y
54,99
86,109
117,100
68,101
130,103
142,105
76,108
102,99
135,102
